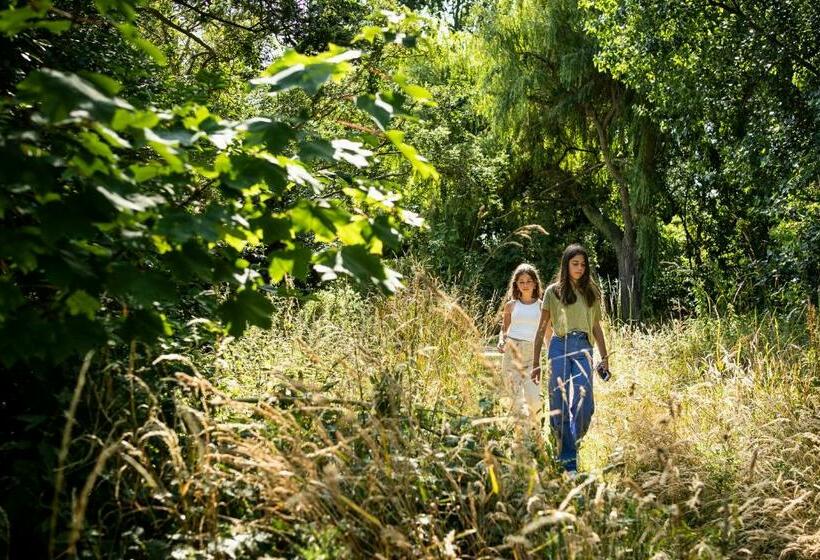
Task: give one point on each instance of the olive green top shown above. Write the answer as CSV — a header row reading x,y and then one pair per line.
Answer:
x,y
575,317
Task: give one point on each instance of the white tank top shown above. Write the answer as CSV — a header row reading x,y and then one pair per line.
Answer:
x,y
524,320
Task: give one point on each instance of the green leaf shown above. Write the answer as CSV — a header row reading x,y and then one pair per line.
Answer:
x,y
135,119
57,26
10,298
95,145
272,135
16,20
133,202
338,150
419,163
289,261
298,173
20,249
126,8
82,303
357,262
191,262
132,35
401,38
59,94
247,170
368,33
351,152
108,85
380,111
145,325
21,337
321,218
316,149
142,173
179,226
274,228
111,137
74,336
416,92
307,72
411,218
140,287
68,217
383,229
247,307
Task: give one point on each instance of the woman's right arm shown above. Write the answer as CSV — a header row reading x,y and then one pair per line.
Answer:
x,y
543,325
505,325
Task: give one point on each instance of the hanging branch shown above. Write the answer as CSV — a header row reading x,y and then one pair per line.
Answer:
x,y
173,25
214,17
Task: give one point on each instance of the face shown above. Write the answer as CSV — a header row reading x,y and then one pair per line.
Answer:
x,y
525,283
577,267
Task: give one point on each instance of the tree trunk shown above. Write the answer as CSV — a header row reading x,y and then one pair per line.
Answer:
x,y
623,240
629,280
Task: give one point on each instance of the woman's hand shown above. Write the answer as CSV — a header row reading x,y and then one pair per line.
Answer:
x,y
500,345
535,375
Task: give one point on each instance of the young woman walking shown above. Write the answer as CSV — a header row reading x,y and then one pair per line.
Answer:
x,y
573,305
519,325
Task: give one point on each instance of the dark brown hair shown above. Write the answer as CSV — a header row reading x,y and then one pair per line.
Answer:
x,y
563,282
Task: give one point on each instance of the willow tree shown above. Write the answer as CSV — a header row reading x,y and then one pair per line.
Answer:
x,y
736,84
578,128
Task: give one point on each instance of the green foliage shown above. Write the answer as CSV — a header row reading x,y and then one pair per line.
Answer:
x,y
734,87
576,133
111,212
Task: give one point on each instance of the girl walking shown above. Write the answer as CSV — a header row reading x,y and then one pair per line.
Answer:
x,y
572,303
519,326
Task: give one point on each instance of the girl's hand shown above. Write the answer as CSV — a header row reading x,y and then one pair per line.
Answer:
x,y
500,346
535,375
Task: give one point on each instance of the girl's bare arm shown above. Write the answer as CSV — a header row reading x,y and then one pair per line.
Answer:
x,y
538,343
598,333
505,325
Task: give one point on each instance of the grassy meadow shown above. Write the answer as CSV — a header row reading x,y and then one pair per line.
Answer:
x,y
376,428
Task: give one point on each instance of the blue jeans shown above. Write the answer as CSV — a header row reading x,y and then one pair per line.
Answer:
x,y
570,393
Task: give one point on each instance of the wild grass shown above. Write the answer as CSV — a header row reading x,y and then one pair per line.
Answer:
x,y
721,417
377,428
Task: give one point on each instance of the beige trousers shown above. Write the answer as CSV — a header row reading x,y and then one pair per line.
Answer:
x,y
525,395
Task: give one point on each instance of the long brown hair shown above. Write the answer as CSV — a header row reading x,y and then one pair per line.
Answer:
x,y
512,290
563,282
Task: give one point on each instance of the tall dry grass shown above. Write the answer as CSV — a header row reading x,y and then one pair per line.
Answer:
x,y
720,416
376,428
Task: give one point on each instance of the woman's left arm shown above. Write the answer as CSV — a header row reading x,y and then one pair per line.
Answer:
x,y
598,333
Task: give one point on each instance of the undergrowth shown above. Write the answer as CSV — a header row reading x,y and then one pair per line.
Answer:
x,y
377,428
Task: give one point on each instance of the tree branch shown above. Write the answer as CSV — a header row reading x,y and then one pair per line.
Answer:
x,y
617,175
170,23
213,17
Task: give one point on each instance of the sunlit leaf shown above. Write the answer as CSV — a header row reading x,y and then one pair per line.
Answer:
x,y
307,72
357,262
82,303
60,94
419,163
289,261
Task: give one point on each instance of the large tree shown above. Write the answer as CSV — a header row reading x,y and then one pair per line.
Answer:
x,y
577,128
735,84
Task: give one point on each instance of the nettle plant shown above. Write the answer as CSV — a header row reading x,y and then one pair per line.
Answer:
x,y
122,223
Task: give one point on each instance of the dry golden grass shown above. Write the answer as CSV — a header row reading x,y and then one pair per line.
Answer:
x,y
722,416
374,429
